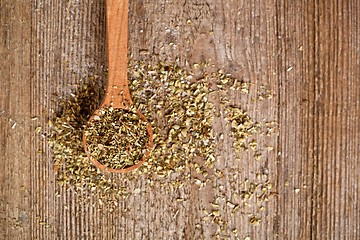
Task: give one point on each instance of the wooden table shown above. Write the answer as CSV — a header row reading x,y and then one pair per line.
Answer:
x,y
306,52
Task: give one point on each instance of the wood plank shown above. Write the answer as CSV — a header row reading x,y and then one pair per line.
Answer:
x,y
335,197
15,124
296,72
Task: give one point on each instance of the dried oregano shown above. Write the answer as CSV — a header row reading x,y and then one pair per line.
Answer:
x,y
117,138
180,110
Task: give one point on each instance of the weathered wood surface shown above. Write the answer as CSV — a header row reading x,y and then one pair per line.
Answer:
x,y
306,52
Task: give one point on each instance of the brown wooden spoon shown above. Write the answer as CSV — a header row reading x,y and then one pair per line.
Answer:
x,y
117,91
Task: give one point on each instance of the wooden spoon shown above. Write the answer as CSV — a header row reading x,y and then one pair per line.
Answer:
x,y
117,91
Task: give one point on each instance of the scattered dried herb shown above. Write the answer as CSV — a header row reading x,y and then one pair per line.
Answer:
x,y
241,126
181,109
180,113
117,138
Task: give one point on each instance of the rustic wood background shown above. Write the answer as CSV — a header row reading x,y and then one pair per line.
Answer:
x,y
306,52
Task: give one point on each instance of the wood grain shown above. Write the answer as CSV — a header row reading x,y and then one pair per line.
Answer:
x,y
15,125
305,52
117,39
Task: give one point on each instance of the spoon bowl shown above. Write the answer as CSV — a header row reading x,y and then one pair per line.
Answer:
x,y
117,93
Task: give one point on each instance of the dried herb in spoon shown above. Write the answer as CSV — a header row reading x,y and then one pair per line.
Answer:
x,y
117,138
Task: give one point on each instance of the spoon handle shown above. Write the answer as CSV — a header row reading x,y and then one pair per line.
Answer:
x,y
117,91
